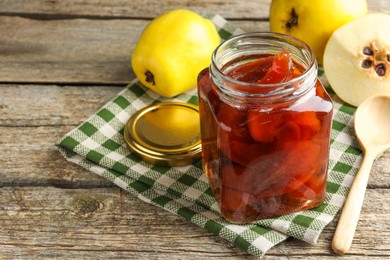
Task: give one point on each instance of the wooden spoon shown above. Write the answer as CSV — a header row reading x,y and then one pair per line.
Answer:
x,y
372,128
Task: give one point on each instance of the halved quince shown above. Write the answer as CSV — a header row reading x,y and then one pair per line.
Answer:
x,y
357,59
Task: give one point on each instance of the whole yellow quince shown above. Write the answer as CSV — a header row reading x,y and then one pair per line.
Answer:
x,y
314,21
172,50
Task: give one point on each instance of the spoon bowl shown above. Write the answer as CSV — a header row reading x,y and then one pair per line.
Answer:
x,y
372,123
372,129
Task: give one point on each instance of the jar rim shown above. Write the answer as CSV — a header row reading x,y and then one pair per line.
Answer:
x,y
312,64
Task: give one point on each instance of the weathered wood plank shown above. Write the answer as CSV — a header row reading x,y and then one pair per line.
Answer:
x,y
250,9
51,105
33,160
67,50
70,223
73,51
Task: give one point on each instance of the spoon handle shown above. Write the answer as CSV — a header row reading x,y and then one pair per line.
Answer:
x,y
349,218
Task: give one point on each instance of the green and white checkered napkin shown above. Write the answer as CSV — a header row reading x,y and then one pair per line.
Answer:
x,y
98,145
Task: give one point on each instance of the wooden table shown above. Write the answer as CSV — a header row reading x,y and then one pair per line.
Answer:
x,y
59,62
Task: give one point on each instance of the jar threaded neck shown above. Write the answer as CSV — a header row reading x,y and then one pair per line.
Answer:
x,y
241,48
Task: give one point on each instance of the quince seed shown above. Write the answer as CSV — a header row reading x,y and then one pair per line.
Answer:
x,y
380,69
366,64
368,51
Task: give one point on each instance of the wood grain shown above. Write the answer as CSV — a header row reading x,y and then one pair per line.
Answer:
x,y
77,51
250,9
82,223
22,105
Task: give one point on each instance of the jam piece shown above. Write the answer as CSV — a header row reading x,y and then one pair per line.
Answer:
x,y
263,126
253,71
280,71
308,123
289,132
242,153
235,121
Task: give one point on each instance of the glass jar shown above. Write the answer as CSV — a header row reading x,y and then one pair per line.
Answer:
x,y
265,146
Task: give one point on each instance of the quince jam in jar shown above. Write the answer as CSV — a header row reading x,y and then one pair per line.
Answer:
x,y
265,127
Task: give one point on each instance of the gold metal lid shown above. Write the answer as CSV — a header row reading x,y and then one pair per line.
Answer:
x,y
166,133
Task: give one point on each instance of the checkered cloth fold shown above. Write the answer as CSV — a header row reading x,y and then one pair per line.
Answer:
x,y
98,145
